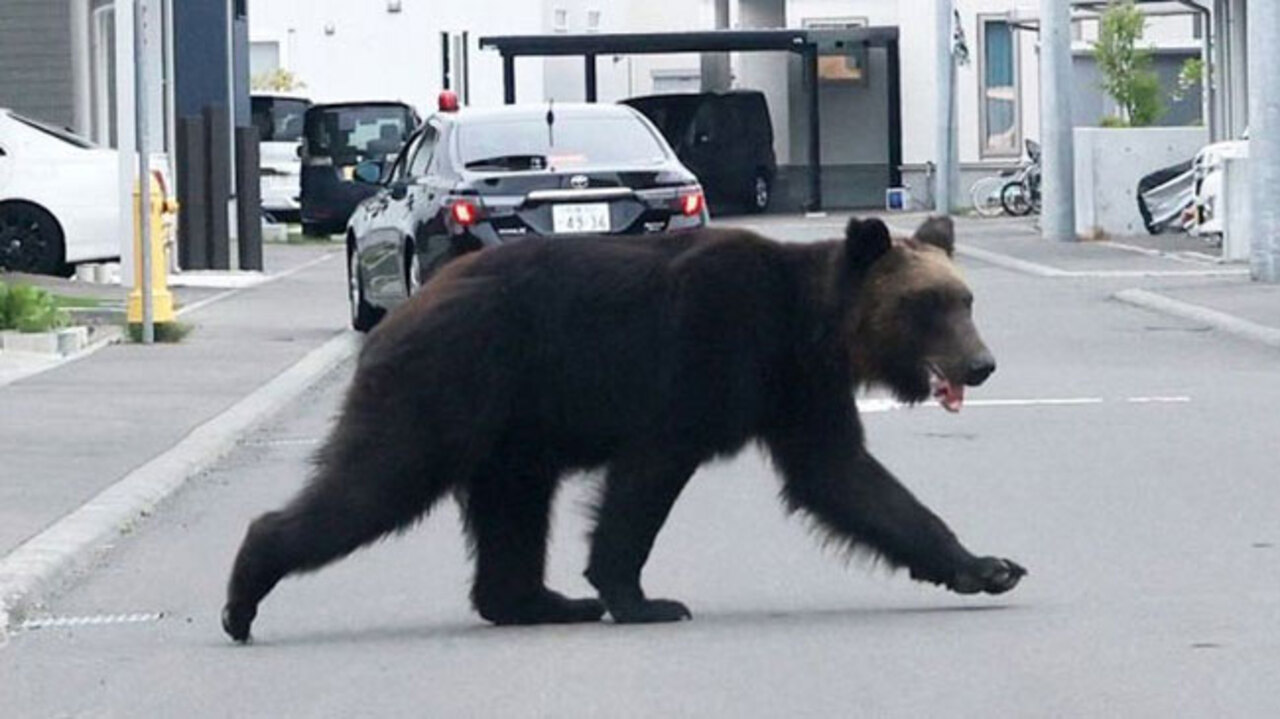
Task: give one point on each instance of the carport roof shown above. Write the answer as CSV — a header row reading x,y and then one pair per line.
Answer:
x,y
787,40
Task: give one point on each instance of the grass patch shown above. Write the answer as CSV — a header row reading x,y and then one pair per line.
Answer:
x,y
81,303
30,309
166,332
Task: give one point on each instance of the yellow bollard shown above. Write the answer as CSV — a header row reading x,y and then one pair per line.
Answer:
x,y
161,298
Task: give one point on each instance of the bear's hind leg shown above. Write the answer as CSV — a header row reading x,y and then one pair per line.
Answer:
x,y
358,495
508,514
638,495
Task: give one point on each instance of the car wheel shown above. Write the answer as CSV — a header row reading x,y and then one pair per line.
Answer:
x,y
311,229
31,241
761,193
412,271
363,315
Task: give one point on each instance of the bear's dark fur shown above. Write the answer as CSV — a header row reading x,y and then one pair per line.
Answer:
x,y
647,357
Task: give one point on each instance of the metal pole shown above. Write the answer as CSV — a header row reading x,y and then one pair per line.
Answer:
x,y
810,59
508,78
1264,141
142,112
592,84
942,198
1058,218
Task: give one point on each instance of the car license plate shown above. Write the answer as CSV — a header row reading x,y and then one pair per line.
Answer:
x,y
569,219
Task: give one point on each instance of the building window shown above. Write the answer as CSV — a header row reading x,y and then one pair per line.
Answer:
x,y
1000,112
560,20
593,21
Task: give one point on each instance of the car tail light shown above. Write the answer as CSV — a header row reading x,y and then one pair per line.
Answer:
x,y
464,212
692,204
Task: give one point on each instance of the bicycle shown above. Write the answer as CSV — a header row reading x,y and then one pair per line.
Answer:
x,y
1021,195
985,193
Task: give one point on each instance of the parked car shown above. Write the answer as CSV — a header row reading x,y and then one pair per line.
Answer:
x,y
1208,166
336,138
59,203
726,139
478,178
278,119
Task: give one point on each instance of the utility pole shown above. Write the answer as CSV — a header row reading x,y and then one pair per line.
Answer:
x,y
1058,197
1264,141
945,171
142,110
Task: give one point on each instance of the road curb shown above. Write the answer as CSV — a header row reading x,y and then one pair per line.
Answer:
x,y
40,565
1222,321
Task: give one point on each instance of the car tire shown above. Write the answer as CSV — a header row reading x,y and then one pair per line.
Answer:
x,y
311,229
412,270
760,193
31,240
364,316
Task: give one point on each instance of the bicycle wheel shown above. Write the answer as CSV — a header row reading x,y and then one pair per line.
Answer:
x,y
1014,199
985,195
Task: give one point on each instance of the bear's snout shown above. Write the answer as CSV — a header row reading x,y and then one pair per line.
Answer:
x,y
980,368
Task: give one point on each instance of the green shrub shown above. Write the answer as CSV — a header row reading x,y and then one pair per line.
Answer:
x,y
29,309
1126,68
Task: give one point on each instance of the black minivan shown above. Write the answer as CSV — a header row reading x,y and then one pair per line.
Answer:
x,y
725,138
336,137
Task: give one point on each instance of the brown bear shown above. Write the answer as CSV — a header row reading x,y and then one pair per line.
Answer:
x,y
646,357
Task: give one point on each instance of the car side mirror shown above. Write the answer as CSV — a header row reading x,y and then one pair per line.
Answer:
x,y
369,172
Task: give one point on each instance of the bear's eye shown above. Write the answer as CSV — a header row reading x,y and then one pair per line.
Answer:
x,y
925,303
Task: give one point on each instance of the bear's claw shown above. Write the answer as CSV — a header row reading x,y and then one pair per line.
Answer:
x,y
987,574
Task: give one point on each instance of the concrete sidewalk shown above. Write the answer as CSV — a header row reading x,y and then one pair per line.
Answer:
x,y
146,418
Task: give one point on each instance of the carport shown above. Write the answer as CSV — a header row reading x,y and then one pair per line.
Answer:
x,y
808,44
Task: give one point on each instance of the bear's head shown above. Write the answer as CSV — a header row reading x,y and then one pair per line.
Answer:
x,y
911,328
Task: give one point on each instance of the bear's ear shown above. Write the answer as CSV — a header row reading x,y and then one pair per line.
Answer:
x,y
939,232
865,241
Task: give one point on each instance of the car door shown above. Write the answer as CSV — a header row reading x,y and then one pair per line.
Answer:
x,y
430,183
704,143
381,242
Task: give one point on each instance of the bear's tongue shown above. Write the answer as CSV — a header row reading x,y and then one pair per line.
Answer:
x,y
948,394
951,396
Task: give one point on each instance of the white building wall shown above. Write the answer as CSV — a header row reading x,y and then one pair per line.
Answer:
x,y
346,50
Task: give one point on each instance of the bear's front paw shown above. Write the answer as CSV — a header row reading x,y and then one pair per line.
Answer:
x,y
648,611
987,574
236,620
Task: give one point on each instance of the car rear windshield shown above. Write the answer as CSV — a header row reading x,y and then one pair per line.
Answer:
x,y
350,134
278,119
533,143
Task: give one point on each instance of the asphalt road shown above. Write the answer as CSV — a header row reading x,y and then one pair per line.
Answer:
x,y
1126,459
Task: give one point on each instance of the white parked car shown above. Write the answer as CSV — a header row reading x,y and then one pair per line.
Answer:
x,y
1208,167
278,118
58,198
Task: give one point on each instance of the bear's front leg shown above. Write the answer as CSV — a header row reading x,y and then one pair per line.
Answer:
x,y
638,494
829,475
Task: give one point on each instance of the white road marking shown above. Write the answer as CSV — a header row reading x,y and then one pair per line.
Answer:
x,y
264,281
95,620
1036,269
874,405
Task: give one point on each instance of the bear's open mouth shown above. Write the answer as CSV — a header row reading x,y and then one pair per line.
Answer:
x,y
949,394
